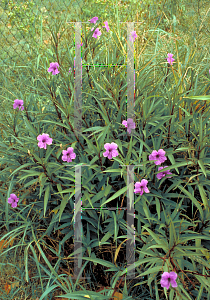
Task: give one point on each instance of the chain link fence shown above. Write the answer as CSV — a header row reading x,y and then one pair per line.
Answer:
x,y
23,24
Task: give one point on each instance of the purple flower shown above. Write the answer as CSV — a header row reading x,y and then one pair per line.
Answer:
x,y
129,124
13,200
167,279
170,59
133,36
93,20
110,150
106,26
44,140
164,173
209,71
97,33
159,156
54,68
70,70
18,103
141,187
68,154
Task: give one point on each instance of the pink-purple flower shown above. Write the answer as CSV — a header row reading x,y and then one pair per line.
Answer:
x,y
54,68
167,279
97,33
44,140
68,154
18,103
93,20
133,36
106,26
13,200
129,124
170,59
141,187
110,150
164,173
159,156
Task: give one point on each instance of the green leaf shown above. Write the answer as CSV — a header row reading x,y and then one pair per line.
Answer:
x,y
189,237
57,123
37,263
37,158
203,196
67,191
107,190
87,196
30,183
107,236
47,291
152,270
157,207
113,171
63,205
17,139
160,246
21,167
176,166
172,234
102,262
42,182
38,58
147,212
102,136
82,295
155,236
44,257
117,194
207,97
49,151
194,200
63,102
155,128
95,129
46,198
29,126
115,226
119,161
172,160
26,262
128,156
200,162
90,145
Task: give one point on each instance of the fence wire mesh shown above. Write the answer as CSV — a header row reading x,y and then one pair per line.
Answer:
x,y
26,28
24,24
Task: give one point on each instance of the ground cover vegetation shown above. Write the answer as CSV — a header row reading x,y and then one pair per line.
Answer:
x,y
167,142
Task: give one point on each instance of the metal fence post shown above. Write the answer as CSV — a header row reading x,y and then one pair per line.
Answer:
x,y
130,246
78,82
